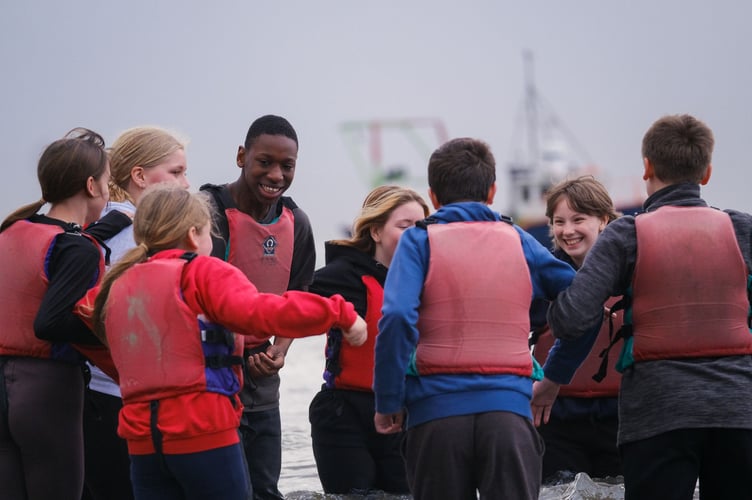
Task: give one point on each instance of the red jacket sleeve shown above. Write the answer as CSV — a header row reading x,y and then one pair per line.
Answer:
x,y
84,308
226,296
99,356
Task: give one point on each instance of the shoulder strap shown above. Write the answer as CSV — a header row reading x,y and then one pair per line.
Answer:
x,y
423,224
189,256
624,333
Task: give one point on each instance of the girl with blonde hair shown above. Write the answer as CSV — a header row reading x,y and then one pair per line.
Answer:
x,y
351,457
140,157
167,310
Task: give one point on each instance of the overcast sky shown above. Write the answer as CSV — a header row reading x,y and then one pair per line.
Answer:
x,y
207,69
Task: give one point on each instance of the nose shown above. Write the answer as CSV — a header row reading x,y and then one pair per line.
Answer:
x,y
275,174
184,183
567,228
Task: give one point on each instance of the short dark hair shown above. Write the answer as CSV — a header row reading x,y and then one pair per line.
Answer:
x,y
584,195
680,148
462,169
270,125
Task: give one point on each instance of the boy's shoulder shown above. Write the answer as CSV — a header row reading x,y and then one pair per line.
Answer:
x,y
288,202
219,194
737,213
741,220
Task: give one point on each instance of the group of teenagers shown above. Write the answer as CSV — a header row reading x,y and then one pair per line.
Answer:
x,y
145,327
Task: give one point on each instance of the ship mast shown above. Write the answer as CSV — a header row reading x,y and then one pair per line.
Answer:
x,y
548,153
531,108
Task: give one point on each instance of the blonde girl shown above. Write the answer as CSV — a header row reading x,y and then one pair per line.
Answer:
x,y
166,310
140,157
350,455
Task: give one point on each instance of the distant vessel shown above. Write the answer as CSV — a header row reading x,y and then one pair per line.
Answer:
x,y
544,151
549,153
393,151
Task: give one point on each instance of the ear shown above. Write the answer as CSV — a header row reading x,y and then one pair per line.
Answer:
x,y
434,199
138,177
706,177
376,234
240,158
491,194
649,171
90,183
603,224
191,239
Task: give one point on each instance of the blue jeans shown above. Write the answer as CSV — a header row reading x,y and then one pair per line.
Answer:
x,y
218,474
261,435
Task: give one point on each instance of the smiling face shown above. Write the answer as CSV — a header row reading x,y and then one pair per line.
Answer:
x,y
268,171
575,232
387,236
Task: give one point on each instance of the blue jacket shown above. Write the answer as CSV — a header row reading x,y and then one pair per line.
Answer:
x,y
431,397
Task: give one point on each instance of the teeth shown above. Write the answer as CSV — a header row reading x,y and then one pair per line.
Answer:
x,y
270,189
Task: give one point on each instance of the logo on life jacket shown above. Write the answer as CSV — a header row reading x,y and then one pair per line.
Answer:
x,y
270,246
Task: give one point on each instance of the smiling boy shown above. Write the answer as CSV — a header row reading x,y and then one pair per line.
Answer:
x,y
269,238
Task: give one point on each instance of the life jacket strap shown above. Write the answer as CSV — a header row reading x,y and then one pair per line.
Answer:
x,y
624,333
218,335
219,361
3,394
156,435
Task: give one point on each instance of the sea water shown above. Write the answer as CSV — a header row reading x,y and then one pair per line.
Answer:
x,y
302,379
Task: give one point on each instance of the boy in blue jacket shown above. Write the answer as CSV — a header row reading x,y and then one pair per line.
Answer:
x,y
452,361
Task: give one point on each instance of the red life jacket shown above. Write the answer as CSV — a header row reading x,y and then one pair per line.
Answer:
x,y
475,318
353,367
26,247
689,286
262,251
160,346
583,385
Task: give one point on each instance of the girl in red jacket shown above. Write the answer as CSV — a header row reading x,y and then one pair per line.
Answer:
x,y
167,310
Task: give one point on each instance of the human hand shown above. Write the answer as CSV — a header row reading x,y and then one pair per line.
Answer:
x,y
264,364
388,423
357,333
544,395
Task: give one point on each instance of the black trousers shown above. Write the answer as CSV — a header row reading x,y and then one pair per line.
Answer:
x,y
582,445
668,465
351,457
496,454
41,441
106,459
